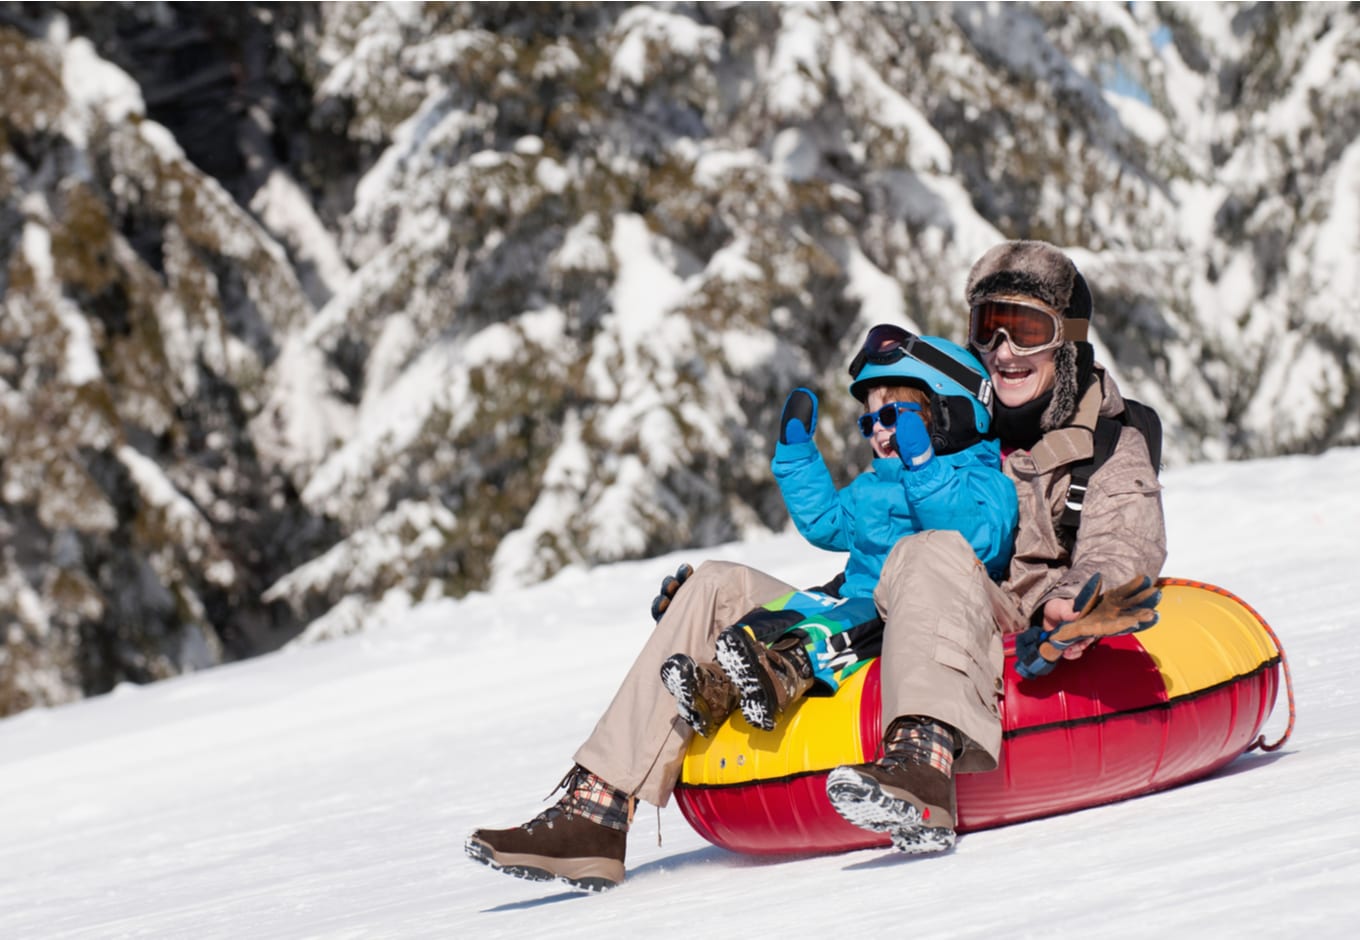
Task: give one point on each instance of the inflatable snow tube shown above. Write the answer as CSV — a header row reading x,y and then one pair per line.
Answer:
x,y
1136,714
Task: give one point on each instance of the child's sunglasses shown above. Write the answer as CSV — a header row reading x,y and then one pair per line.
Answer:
x,y
886,416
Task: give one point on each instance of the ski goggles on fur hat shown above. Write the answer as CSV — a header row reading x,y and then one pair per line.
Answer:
x,y
1028,325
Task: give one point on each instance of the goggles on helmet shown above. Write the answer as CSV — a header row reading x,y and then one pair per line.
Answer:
x,y
1029,326
887,344
886,416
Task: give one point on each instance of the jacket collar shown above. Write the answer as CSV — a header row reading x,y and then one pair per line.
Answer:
x,y
1075,440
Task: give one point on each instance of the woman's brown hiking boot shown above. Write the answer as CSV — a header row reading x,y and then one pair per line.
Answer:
x,y
905,793
768,678
580,840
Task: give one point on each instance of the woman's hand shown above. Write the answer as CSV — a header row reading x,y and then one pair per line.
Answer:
x,y
1058,611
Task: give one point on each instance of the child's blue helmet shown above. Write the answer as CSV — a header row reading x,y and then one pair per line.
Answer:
x,y
955,379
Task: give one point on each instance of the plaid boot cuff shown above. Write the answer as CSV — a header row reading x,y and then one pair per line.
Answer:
x,y
592,798
921,741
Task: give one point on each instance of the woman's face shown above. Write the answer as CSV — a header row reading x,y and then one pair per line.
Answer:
x,y
1018,380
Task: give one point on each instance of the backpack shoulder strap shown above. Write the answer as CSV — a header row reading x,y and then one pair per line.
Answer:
x,y
1106,437
1145,419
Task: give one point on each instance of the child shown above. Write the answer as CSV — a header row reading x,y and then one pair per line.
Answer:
x,y
928,402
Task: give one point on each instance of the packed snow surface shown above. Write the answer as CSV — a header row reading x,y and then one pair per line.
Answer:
x,y
326,791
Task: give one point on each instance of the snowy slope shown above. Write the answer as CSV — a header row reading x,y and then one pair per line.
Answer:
x,y
325,791
312,312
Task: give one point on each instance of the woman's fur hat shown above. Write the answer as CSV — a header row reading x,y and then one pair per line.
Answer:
x,y
1037,269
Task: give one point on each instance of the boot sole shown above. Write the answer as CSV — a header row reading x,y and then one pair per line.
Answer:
x,y
681,680
860,801
584,874
754,691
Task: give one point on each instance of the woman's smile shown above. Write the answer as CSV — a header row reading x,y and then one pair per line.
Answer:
x,y
1019,379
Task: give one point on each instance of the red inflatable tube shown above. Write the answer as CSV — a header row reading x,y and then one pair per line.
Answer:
x,y
1136,714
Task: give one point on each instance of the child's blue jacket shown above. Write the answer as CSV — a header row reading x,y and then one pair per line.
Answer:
x,y
965,491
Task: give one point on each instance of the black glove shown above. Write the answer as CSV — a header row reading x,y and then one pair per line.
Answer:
x,y
669,585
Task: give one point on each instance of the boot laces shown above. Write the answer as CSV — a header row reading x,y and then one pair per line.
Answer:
x,y
588,797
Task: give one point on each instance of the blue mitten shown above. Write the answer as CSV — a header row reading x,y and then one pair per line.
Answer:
x,y
911,438
799,420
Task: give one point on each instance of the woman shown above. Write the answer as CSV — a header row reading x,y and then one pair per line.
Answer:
x,y
1029,311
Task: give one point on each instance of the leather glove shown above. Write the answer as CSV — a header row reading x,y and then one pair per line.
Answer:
x,y
799,420
669,585
911,438
1128,608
